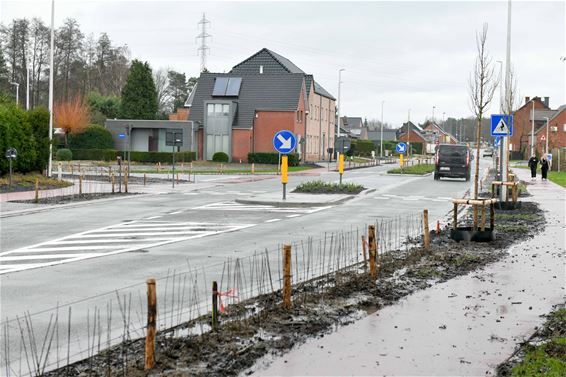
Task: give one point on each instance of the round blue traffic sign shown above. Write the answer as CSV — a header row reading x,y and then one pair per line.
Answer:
x,y
284,141
401,148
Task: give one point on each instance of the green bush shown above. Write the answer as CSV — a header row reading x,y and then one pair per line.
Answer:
x,y
321,187
271,158
220,157
361,148
154,157
16,132
64,154
95,154
39,121
94,137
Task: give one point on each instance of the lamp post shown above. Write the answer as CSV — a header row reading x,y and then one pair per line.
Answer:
x,y
381,137
501,104
17,92
434,107
546,149
339,103
533,129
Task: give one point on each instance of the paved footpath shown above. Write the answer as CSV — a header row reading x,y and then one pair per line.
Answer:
x,y
463,327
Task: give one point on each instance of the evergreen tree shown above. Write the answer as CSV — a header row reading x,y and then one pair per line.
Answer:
x,y
139,96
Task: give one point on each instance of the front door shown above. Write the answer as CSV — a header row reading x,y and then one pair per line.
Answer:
x,y
217,130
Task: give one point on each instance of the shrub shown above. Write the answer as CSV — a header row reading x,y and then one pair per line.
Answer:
x,y
271,158
166,157
220,157
39,122
361,148
64,154
321,187
95,154
16,132
94,137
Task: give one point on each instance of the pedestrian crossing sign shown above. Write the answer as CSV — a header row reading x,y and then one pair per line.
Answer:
x,y
501,125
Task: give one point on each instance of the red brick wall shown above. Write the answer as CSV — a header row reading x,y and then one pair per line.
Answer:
x,y
267,124
241,143
413,137
555,139
522,125
182,113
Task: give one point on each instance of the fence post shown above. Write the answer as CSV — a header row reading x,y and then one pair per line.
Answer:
x,y
364,245
287,277
426,235
59,170
372,251
80,183
482,218
37,190
492,216
126,180
455,225
214,305
144,178
253,168
151,328
110,173
113,183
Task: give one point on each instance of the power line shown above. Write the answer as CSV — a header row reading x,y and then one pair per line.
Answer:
x,y
203,49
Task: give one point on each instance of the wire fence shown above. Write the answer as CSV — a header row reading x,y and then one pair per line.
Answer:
x,y
35,343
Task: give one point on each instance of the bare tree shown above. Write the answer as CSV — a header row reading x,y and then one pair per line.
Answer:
x,y
163,97
512,102
482,85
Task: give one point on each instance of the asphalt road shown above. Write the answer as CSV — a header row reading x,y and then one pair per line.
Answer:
x,y
101,247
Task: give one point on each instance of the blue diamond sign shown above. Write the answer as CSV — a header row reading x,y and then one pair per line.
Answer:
x,y
284,141
501,125
401,148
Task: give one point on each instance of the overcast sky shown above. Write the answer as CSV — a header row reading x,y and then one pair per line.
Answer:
x,y
412,55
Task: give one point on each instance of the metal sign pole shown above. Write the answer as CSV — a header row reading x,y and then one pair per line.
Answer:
x,y
173,175
10,182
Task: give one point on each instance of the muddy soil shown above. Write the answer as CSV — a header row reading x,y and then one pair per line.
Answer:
x,y
255,328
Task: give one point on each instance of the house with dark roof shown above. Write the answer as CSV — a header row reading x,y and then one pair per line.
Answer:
x,y
240,111
553,130
520,141
436,134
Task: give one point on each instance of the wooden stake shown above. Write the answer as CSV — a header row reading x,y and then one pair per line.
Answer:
x,y
492,216
475,208
113,179
426,234
372,251
80,184
37,190
214,305
126,181
287,277
253,168
144,178
455,224
364,246
151,328
483,218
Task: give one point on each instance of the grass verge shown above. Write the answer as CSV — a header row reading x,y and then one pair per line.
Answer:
x,y
320,187
225,170
26,182
558,177
421,169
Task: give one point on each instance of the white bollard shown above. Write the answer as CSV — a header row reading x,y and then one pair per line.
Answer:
x,y
59,171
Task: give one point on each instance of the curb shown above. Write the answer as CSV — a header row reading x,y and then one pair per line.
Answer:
x,y
297,204
410,175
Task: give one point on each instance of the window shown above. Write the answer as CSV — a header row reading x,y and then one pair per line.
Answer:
x,y
210,109
225,109
227,86
564,127
218,109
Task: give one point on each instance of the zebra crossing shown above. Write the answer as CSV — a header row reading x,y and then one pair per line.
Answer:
x,y
110,240
411,198
235,206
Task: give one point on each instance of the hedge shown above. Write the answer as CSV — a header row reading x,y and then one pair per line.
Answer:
x,y
220,157
64,154
361,148
151,157
271,158
94,137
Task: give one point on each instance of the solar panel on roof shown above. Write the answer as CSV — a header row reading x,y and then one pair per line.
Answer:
x,y
233,88
220,85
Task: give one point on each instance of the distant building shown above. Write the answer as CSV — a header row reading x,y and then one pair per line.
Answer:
x,y
556,131
434,133
522,126
239,112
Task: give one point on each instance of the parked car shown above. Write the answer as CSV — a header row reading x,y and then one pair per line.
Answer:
x,y
452,160
487,152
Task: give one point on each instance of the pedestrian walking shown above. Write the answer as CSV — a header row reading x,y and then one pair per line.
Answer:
x,y
544,166
533,162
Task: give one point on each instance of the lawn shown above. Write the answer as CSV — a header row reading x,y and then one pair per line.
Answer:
x,y
225,170
557,177
421,169
26,182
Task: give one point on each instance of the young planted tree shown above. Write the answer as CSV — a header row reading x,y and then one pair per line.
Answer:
x,y
139,96
72,116
482,85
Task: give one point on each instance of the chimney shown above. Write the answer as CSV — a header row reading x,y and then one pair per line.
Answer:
x,y
261,69
547,101
527,99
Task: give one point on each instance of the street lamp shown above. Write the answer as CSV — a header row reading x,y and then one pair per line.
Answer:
x,y
381,138
546,134
533,130
501,107
17,92
339,103
434,107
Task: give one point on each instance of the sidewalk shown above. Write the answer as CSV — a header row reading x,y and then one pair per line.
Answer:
x,y
465,326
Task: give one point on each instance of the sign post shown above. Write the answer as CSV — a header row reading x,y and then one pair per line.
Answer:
x,y
284,179
502,125
11,154
401,148
284,143
174,139
341,166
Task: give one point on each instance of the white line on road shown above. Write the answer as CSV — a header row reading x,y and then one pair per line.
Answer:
x,y
175,213
295,215
153,217
272,220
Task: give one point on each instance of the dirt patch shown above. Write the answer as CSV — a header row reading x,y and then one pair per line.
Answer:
x,y
73,198
259,328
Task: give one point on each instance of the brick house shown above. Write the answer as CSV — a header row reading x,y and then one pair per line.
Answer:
x,y
556,132
520,141
240,111
434,132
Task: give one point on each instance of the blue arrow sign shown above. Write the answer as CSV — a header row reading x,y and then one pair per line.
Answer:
x,y
501,125
401,147
497,141
122,136
284,141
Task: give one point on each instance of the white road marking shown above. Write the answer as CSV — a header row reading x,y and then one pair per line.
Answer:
x,y
153,217
175,213
272,220
109,240
295,215
234,206
381,198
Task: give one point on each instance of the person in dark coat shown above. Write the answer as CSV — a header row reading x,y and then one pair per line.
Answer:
x,y
544,165
533,162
